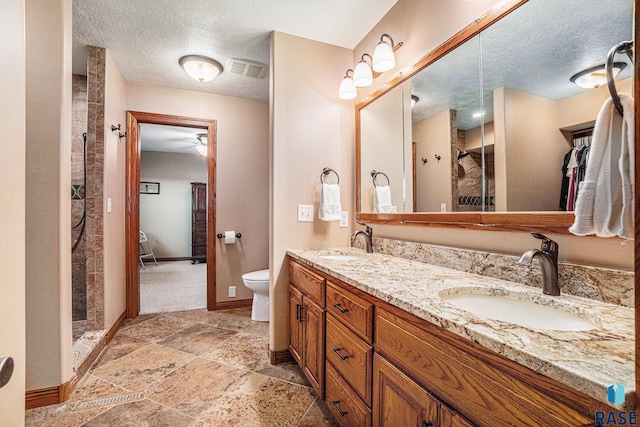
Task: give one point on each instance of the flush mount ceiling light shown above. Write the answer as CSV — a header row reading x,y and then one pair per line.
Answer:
x,y
383,57
347,87
594,77
201,68
414,100
202,144
362,75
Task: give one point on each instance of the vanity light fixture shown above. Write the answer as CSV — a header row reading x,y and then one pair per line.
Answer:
x,y
414,100
594,77
347,87
362,75
201,68
383,56
202,144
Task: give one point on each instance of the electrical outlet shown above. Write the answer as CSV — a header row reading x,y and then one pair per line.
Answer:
x,y
344,219
443,207
305,213
232,291
109,205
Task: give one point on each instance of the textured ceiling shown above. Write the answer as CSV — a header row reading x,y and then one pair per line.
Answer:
x,y
168,139
147,37
536,49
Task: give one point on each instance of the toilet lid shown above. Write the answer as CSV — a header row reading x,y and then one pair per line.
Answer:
x,y
259,276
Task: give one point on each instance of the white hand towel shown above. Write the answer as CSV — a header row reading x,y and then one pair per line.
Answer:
x,y
382,200
605,200
330,203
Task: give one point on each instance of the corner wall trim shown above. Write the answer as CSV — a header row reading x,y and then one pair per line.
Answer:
x,y
276,357
241,303
50,395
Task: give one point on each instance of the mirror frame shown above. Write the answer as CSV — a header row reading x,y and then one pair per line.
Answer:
x,y
547,221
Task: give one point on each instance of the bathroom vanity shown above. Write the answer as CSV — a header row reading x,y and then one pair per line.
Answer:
x,y
381,342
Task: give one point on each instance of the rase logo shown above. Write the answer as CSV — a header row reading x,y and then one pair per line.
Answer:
x,y
615,396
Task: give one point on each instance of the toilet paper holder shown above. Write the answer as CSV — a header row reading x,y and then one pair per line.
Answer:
x,y
220,235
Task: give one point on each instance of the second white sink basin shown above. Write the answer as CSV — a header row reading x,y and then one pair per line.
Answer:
x,y
338,257
519,312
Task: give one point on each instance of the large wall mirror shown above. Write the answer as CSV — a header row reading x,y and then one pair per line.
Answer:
x,y
487,127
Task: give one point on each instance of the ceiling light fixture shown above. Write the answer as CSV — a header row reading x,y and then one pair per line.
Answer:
x,y
202,144
363,75
594,77
347,87
414,100
201,68
383,56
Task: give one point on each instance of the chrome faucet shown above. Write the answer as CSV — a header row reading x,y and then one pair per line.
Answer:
x,y
368,236
548,257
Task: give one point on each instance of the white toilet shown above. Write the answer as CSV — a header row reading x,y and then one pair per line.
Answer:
x,y
258,282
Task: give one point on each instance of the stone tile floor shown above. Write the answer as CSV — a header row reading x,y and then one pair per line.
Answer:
x,y
190,368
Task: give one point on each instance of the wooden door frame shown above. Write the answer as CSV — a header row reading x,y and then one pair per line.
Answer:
x,y
132,221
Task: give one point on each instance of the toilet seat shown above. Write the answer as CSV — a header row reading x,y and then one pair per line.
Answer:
x,y
257,276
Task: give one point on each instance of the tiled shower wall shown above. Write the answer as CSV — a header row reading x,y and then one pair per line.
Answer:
x,y
78,240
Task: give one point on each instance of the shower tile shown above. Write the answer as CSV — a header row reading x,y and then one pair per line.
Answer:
x,y
120,346
143,367
255,397
144,413
194,387
242,351
197,339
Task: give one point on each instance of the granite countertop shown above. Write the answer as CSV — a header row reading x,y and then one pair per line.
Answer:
x,y
588,361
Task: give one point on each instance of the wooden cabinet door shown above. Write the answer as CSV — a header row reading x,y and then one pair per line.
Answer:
x,y
398,401
295,325
313,347
449,418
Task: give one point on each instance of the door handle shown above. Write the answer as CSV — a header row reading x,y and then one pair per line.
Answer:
x,y
6,370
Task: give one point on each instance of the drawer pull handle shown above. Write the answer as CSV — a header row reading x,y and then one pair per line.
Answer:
x,y
301,313
298,312
339,307
340,355
427,424
336,403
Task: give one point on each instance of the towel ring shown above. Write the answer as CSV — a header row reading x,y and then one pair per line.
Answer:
x,y
623,47
327,171
374,175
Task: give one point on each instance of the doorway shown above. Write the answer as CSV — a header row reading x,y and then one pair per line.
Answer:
x,y
134,119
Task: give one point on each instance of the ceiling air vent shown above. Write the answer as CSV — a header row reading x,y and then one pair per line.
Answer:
x,y
244,67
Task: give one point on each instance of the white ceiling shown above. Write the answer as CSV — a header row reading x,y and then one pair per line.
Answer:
x,y
147,37
169,139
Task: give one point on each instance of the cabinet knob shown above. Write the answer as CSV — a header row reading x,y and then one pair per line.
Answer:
x,y
340,355
339,307
336,403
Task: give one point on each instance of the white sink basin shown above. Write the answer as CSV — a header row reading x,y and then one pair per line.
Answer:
x,y
519,312
338,257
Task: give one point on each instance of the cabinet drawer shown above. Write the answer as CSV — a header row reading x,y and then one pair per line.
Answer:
x,y
353,311
351,356
343,403
308,282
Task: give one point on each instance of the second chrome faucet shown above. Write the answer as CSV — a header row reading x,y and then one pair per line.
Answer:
x,y
548,257
368,236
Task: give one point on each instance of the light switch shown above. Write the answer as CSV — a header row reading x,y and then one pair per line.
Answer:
x,y
305,213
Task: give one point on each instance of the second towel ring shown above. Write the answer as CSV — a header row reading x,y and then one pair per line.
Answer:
x,y
374,175
327,171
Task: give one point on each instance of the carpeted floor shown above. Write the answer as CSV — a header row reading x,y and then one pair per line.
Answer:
x,y
172,286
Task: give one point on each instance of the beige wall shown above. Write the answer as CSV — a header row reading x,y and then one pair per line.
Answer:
x,y
310,129
531,150
12,199
48,201
433,180
166,217
381,140
422,26
473,138
114,189
242,178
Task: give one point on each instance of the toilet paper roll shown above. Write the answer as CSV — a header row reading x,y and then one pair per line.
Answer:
x,y
229,237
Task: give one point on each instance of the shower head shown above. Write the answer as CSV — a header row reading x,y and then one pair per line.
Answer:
x,y
462,154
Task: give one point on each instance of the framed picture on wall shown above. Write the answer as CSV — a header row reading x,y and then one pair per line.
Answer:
x,y
149,188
